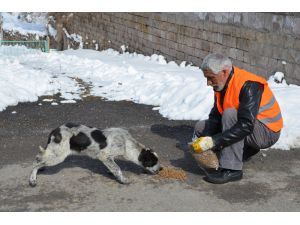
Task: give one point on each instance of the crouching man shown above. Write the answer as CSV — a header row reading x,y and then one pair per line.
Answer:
x,y
244,119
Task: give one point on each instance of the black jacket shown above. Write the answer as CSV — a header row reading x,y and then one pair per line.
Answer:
x,y
250,97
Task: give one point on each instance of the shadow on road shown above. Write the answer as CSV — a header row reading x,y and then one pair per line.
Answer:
x,y
93,165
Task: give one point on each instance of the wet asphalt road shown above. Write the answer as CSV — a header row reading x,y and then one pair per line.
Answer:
x,y
271,180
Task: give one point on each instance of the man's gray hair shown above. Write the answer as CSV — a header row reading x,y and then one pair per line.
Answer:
x,y
216,62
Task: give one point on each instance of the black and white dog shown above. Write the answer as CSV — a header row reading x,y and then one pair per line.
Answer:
x,y
104,145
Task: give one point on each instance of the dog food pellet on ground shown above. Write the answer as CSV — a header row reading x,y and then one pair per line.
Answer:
x,y
168,172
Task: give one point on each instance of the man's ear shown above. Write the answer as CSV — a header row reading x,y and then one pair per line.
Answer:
x,y
225,73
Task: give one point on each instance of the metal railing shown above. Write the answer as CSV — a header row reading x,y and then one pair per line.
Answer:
x,y
43,45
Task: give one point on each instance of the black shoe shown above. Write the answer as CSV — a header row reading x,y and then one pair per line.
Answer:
x,y
222,176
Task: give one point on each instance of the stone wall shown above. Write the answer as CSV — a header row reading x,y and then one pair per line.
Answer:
x,y
1,31
262,43
16,36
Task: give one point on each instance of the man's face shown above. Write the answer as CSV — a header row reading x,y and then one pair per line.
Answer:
x,y
217,81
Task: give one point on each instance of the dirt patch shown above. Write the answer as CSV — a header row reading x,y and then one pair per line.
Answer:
x,y
22,198
246,193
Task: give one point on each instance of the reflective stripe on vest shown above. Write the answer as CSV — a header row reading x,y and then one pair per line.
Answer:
x,y
267,106
269,110
271,120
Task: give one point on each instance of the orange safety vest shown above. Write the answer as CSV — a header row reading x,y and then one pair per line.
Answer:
x,y
269,112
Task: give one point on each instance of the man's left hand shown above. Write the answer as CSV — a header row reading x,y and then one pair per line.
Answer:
x,y
202,144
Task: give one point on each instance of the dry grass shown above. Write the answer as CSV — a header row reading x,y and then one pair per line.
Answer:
x,y
63,18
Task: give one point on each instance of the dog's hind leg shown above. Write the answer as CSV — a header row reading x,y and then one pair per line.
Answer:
x,y
115,170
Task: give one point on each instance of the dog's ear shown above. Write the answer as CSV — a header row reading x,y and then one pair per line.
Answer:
x,y
147,158
142,155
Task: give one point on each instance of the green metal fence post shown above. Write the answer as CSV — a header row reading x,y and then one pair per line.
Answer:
x,y
48,44
42,45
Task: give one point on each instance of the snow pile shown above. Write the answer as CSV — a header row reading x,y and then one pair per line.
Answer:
x,y
25,23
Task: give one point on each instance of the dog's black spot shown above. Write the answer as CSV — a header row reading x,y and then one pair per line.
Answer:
x,y
147,158
56,134
70,125
79,142
99,137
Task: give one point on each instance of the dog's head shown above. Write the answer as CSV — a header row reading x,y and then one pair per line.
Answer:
x,y
149,159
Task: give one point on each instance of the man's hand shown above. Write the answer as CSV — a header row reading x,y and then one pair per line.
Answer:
x,y
202,144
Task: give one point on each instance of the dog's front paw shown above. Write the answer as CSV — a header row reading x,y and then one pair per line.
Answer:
x,y
32,183
125,180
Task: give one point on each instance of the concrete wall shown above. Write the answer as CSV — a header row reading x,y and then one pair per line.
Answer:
x,y
258,42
